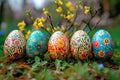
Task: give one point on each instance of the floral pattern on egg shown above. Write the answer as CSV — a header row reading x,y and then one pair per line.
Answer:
x,y
102,45
80,45
58,45
14,46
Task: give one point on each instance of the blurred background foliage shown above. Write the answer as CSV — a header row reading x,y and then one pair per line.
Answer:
x,y
114,7
13,11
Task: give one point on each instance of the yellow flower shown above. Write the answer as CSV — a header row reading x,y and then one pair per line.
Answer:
x,y
106,41
87,9
55,1
40,24
68,4
36,25
21,29
71,8
59,9
53,30
101,53
70,16
62,28
80,6
21,25
60,2
62,15
48,29
45,11
68,12
27,35
42,19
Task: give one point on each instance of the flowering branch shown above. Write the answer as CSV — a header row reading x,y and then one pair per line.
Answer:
x,y
69,14
72,24
29,14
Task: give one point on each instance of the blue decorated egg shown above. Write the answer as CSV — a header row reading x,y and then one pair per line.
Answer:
x,y
102,44
37,42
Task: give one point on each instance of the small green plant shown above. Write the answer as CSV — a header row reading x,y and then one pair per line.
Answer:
x,y
38,64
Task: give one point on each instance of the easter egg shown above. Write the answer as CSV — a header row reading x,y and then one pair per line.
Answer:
x,y
80,45
14,46
102,45
37,42
58,45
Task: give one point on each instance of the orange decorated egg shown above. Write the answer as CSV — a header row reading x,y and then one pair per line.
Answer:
x,y
58,45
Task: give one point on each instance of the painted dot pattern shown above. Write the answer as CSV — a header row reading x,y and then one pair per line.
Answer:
x,y
37,43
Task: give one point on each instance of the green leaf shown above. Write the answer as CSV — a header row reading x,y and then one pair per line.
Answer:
x,y
57,64
43,63
37,59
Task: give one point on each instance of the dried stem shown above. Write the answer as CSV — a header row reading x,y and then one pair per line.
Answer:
x,y
96,24
72,24
88,23
50,21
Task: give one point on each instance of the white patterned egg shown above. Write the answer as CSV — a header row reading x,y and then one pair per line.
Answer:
x,y
14,46
80,45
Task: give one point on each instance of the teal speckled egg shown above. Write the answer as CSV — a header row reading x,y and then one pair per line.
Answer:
x,y
37,42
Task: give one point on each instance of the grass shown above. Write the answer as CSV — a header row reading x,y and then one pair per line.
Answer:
x,y
47,69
